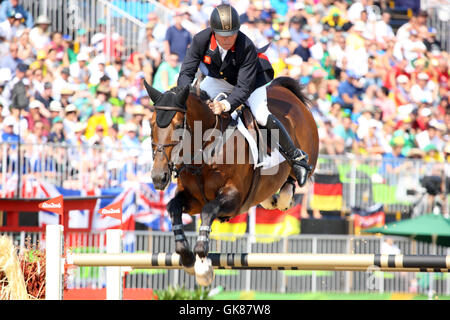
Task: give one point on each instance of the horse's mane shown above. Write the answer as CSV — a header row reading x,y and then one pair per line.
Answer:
x,y
197,92
293,85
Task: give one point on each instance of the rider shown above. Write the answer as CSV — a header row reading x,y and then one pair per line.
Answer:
x,y
236,68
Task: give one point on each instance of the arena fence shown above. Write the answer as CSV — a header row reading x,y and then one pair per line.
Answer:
x,y
365,180
439,18
127,18
70,16
122,18
372,280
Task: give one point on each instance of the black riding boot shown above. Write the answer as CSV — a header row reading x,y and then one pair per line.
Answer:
x,y
297,158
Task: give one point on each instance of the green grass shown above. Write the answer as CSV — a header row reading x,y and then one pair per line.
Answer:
x,y
237,295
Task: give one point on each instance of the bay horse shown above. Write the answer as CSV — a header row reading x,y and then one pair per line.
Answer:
x,y
220,190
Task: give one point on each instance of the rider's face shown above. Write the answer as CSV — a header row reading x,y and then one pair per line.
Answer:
x,y
226,42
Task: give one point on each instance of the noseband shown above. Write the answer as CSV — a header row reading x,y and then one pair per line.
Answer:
x,y
162,147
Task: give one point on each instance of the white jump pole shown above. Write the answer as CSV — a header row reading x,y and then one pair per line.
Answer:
x,y
114,284
54,262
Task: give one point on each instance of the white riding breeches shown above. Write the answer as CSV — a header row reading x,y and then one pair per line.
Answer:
x,y
257,101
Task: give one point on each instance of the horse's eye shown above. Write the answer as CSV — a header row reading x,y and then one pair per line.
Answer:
x,y
179,126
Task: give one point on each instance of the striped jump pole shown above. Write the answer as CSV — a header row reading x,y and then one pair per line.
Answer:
x,y
273,261
114,259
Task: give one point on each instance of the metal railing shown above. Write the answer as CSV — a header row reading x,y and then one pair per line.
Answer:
x,y
71,167
397,183
123,19
288,281
439,18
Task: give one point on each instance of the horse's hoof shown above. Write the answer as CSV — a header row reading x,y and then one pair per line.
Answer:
x,y
190,270
204,272
201,249
187,258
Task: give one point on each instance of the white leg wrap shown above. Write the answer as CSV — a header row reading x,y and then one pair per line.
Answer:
x,y
204,272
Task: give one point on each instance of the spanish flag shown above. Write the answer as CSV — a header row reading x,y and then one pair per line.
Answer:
x,y
236,226
276,223
327,192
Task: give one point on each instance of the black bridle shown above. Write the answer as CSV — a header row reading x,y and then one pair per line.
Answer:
x,y
194,169
162,147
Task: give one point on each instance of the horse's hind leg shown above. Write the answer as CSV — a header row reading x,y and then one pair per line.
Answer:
x,y
284,199
175,209
286,195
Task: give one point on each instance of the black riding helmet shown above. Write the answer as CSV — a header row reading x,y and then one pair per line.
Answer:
x,y
224,20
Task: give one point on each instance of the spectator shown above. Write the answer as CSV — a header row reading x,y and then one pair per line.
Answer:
x,y
57,134
130,140
7,29
423,90
55,109
39,64
150,48
431,43
35,115
63,82
79,70
12,60
349,91
57,44
303,49
78,139
40,35
430,137
35,141
98,118
383,29
45,96
177,38
347,140
388,247
25,49
9,5
328,140
70,120
167,74
386,104
20,75
8,134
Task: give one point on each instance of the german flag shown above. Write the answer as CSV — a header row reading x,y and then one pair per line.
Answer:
x,y
236,226
276,223
327,192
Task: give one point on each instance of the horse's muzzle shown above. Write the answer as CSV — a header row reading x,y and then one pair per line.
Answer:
x,y
161,179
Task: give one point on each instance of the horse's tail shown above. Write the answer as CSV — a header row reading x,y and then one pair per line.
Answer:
x,y
294,86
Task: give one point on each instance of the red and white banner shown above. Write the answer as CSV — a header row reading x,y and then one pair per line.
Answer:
x,y
55,205
114,210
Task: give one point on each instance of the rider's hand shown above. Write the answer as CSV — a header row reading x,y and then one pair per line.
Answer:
x,y
217,107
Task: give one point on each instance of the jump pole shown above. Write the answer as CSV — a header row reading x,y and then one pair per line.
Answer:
x,y
113,260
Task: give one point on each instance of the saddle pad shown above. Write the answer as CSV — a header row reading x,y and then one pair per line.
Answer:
x,y
268,161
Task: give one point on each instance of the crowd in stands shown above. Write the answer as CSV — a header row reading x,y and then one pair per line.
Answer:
x,y
374,91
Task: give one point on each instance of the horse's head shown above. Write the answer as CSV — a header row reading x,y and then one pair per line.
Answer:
x,y
169,116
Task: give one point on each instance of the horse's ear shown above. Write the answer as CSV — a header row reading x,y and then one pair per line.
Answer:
x,y
183,95
152,92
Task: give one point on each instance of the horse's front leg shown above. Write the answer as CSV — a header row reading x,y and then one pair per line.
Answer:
x,y
227,202
175,209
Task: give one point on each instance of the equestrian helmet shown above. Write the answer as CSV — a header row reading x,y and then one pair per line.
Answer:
x,y
224,20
